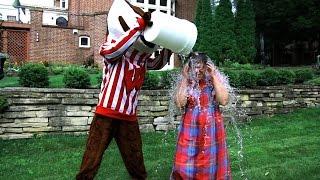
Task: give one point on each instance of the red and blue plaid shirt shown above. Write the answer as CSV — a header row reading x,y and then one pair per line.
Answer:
x,y
201,151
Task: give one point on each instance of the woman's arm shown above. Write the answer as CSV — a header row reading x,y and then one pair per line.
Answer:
x,y
181,92
221,92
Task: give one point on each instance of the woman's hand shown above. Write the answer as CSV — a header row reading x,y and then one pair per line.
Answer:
x,y
211,69
185,71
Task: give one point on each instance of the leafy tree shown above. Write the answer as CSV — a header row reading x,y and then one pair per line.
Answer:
x,y
245,31
206,31
284,22
225,24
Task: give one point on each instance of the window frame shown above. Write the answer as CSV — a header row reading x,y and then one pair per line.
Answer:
x,y
169,8
84,46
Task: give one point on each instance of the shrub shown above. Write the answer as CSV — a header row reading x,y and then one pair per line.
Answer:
x,y
45,63
286,76
98,79
168,78
3,104
268,77
33,75
57,70
315,82
76,77
152,80
93,70
248,78
236,65
233,77
303,75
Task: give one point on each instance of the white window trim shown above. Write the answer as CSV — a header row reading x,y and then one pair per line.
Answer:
x,y
66,4
146,6
84,46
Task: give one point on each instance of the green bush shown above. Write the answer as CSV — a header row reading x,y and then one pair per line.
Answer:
x,y
3,104
55,70
268,77
233,77
168,78
286,76
303,75
315,82
99,79
92,70
33,75
247,78
152,80
236,65
76,77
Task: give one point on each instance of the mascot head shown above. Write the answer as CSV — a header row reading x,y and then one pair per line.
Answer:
x,y
123,16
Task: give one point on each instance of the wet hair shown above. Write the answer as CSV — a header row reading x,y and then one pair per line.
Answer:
x,y
197,57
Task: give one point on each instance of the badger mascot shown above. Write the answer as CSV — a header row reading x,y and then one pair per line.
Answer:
x,y
126,57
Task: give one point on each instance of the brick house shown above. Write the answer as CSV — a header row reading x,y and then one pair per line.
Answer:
x,y
67,31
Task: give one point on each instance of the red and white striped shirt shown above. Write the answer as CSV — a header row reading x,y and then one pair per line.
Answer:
x,y
124,75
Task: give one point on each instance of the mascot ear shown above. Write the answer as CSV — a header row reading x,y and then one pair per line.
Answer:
x,y
123,24
136,9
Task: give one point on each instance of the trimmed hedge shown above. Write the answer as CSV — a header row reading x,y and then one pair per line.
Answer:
x,y
315,82
233,77
268,77
152,80
303,75
33,75
286,76
247,78
76,77
237,78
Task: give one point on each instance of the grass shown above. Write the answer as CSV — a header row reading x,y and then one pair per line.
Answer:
x,y
9,82
55,81
280,147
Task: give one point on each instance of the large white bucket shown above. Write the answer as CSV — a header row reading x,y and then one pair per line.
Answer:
x,y
178,35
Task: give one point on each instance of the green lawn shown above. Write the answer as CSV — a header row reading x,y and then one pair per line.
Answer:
x,y
281,147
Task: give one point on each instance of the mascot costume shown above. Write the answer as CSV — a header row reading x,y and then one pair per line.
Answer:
x,y
126,56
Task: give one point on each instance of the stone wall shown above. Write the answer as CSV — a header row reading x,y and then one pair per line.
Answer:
x,y
35,111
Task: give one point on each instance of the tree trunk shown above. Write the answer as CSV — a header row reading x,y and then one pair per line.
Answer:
x,y
262,53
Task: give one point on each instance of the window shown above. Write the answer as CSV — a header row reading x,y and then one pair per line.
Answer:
x,y
84,41
163,11
63,4
166,6
151,10
11,18
152,1
163,2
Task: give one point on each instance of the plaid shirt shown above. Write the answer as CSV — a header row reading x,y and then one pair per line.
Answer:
x,y
201,151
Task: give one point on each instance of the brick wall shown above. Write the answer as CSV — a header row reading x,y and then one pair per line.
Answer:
x,y
57,44
52,44
185,9
39,111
